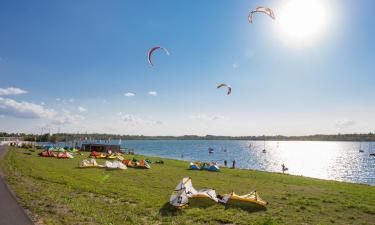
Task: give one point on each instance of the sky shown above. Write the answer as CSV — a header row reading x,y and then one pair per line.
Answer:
x,y
81,66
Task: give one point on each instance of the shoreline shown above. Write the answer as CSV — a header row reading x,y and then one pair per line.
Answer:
x,y
133,196
255,170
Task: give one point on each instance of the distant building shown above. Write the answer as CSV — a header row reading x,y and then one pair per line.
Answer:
x,y
100,147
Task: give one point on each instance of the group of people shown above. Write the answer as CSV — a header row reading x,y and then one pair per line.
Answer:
x,y
233,164
283,167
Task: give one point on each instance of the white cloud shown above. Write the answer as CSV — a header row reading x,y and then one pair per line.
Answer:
x,y
217,117
129,94
10,107
66,117
136,120
11,91
158,122
343,124
235,65
67,101
207,117
58,99
153,93
82,109
127,118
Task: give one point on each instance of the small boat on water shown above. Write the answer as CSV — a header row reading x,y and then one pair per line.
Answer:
x,y
210,150
372,154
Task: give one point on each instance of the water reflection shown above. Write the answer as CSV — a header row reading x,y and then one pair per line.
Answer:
x,y
327,160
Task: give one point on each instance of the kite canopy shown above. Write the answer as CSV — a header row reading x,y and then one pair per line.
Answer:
x,y
89,163
261,9
151,51
48,154
194,166
115,165
143,164
211,167
185,190
64,155
252,197
227,86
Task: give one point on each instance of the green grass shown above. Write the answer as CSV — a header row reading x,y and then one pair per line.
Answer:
x,y
57,192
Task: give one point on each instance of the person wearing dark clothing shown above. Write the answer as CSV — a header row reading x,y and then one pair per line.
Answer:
x,y
225,163
234,164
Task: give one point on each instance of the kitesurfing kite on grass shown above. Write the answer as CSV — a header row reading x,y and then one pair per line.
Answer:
x,y
185,191
261,9
227,86
152,50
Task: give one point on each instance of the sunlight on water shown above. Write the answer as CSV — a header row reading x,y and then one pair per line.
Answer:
x,y
326,160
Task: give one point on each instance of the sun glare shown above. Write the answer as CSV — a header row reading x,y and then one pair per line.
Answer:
x,y
302,21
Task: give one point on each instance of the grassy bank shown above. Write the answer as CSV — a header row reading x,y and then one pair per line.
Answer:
x,y
57,192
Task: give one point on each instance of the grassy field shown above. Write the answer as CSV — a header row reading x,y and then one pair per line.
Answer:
x,y
56,191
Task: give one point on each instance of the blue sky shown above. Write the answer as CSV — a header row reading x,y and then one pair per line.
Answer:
x,y
77,59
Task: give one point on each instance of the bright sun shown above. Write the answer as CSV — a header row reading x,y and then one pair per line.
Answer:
x,y
302,21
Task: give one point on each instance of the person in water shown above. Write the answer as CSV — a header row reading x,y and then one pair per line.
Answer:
x,y
234,164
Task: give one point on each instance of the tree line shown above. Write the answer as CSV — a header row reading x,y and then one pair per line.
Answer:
x,y
65,137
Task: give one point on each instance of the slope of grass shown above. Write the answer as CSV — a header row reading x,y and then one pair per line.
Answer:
x,y
56,191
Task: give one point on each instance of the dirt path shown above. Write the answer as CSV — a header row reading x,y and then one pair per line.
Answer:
x,y
10,212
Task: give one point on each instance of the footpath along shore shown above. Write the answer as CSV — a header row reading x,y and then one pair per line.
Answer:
x,y
11,213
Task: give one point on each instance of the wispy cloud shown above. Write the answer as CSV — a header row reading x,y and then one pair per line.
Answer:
x,y
10,107
207,117
136,120
345,123
129,94
65,101
153,93
82,109
11,91
158,122
235,65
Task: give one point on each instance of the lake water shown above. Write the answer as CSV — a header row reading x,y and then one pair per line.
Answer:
x,y
340,161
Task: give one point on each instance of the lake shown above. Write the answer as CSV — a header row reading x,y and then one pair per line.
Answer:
x,y
339,161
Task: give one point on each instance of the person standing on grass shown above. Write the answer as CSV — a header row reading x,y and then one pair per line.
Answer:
x,y
225,163
284,168
234,164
